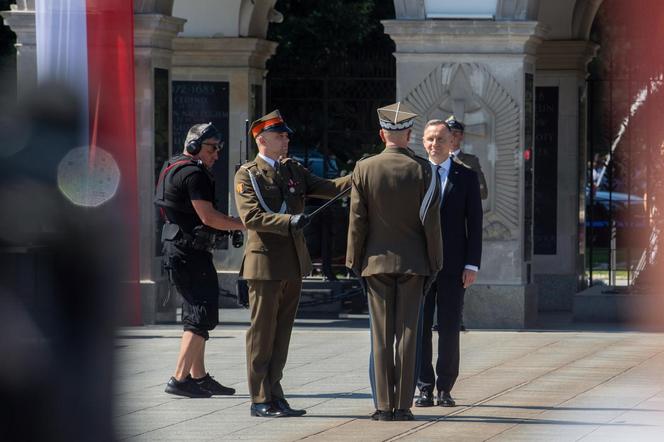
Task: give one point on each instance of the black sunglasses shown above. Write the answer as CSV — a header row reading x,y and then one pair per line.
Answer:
x,y
217,146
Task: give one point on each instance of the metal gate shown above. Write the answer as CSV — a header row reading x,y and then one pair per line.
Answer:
x,y
334,112
625,141
334,118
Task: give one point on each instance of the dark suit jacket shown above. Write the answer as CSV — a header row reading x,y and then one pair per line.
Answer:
x,y
461,220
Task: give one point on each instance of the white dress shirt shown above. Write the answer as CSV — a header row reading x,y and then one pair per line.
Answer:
x,y
443,172
268,160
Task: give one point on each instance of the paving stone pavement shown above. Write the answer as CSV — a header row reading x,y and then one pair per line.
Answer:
x,y
514,386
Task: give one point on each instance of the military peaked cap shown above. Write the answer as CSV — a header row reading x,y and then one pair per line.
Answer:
x,y
396,116
272,122
453,124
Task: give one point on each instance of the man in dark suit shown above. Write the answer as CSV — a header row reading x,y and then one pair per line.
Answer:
x,y
461,227
457,130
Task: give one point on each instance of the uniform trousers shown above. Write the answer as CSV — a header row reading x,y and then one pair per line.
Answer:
x,y
395,302
273,305
446,294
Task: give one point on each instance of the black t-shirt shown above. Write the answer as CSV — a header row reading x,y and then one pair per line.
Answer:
x,y
196,186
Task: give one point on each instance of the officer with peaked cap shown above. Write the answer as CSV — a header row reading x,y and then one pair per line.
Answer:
x,y
269,193
457,128
394,243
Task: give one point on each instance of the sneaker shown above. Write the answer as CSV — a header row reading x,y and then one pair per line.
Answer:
x,y
187,388
208,383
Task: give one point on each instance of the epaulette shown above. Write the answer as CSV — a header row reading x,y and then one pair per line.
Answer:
x,y
249,164
420,158
290,161
469,155
410,151
459,162
365,156
415,156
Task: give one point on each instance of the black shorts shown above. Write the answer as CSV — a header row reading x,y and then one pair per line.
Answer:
x,y
193,274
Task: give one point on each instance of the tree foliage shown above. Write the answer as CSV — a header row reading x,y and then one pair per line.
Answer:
x,y
316,33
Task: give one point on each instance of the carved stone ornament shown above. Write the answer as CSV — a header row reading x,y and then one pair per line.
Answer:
x,y
492,117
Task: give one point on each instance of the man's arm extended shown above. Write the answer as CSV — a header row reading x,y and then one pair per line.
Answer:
x,y
211,217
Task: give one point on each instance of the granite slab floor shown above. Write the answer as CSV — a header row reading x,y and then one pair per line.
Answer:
x,y
514,386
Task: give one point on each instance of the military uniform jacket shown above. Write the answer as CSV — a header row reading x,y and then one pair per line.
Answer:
x,y
474,163
265,200
394,224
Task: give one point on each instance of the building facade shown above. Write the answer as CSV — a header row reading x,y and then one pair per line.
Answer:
x,y
513,70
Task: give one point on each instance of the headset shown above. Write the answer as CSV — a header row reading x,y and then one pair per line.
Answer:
x,y
195,145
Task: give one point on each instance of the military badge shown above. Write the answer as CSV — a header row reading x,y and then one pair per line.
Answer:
x,y
239,188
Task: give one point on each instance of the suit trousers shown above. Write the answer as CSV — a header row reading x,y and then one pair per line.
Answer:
x,y
273,306
446,294
395,302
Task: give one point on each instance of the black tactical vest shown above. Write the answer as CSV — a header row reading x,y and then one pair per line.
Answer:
x,y
168,194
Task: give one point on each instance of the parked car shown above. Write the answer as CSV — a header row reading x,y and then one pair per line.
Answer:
x,y
317,163
627,211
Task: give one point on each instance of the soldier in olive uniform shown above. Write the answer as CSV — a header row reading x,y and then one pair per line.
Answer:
x,y
457,128
394,243
270,194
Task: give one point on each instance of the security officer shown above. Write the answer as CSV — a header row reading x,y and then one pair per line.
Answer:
x,y
270,194
185,195
394,243
457,129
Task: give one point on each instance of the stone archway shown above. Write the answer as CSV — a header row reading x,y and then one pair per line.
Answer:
x,y
471,93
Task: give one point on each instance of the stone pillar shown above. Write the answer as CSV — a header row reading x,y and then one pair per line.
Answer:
x,y
241,63
153,39
558,272
482,72
21,20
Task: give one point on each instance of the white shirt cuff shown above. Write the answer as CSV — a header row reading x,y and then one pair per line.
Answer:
x,y
471,267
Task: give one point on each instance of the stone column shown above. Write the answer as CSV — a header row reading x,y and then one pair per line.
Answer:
x,y
482,72
21,20
153,40
562,64
241,63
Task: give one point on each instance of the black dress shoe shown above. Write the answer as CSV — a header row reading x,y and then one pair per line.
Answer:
x,y
186,388
380,415
208,383
445,400
425,399
282,404
403,415
266,410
